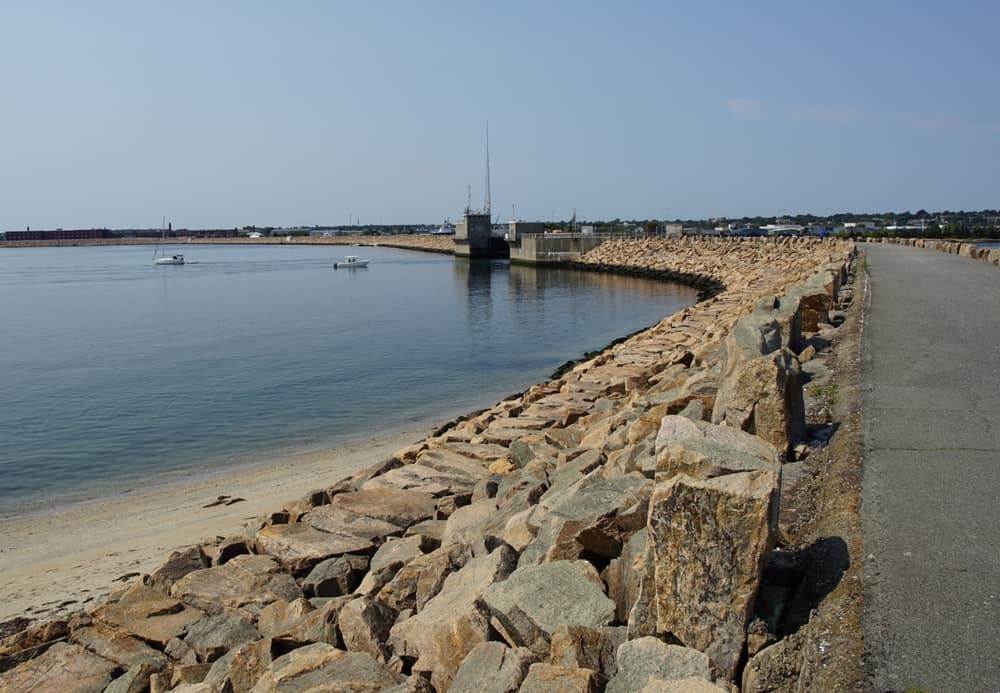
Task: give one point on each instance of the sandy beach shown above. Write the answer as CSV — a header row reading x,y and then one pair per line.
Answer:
x,y
65,559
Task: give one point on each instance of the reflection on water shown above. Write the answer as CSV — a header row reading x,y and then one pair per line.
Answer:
x,y
115,370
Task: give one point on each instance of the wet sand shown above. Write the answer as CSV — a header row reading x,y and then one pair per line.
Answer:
x,y
62,560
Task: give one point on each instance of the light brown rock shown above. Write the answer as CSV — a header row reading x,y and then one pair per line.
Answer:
x,y
708,540
148,614
492,667
546,678
246,581
64,667
299,547
320,667
441,635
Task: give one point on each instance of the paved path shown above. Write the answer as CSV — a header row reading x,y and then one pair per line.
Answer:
x,y
931,491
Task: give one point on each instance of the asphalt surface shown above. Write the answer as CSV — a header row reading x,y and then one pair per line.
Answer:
x,y
931,483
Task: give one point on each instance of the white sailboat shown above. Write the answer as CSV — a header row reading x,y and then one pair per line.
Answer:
x,y
165,259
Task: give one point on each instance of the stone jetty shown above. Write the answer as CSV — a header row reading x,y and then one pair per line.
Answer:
x,y
607,530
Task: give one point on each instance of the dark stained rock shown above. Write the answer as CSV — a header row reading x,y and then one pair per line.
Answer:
x,y
179,564
335,576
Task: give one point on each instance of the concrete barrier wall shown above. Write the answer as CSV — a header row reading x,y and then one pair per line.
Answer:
x,y
970,250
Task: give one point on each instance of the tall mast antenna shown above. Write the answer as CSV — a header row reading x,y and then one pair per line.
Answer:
x,y
486,206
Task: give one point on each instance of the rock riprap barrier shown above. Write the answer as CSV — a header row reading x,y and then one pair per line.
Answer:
x,y
605,530
969,250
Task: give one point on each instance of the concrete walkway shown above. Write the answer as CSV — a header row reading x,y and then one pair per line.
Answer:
x,y
931,490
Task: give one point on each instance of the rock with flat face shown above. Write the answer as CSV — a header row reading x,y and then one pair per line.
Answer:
x,y
116,646
547,678
320,667
492,667
638,660
246,581
582,647
212,636
707,543
592,516
279,616
691,684
364,625
703,450
147,614
331,518
300,546
534,601
248,663
179,564
63,667
335,576
764,396
397,507
420,478
441,635
316,626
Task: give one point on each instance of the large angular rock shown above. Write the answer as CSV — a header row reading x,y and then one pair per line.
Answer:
x,y
331,518
691,684
421,579
581,647
320,667
335,576
364,625
703,450
763,396
468,522
591,517
177,565
707,542
148,614
528,606
246,581
492,667
63,667
316,626
248,663
638,660
547,678
420,478
300,546
400,508
134,680
213,636
124,650
279,616
441,635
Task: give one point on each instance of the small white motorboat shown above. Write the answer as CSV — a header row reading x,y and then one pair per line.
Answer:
x,y
169,260
350,262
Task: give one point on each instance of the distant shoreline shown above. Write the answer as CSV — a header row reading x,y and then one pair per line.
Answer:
x,y
423,243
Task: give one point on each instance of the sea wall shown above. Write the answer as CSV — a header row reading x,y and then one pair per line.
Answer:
x,y
605,530
970,250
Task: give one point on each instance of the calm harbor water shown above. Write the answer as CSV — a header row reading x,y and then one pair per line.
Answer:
x,y
116,373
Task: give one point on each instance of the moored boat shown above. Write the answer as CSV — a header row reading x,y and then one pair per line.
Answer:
x,y
350,262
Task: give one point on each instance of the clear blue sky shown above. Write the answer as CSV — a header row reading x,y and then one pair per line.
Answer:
x,y
282,113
